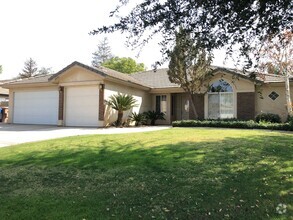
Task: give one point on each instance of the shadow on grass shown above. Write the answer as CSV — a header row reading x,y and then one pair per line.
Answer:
x,y
236,178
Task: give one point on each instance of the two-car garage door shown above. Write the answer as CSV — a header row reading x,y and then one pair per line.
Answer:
x,y
36,107
41,107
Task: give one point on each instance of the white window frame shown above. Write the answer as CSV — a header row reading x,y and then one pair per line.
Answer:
x,y
220,113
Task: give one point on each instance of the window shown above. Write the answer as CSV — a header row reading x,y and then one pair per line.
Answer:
x,y
274,95
161,103
220,100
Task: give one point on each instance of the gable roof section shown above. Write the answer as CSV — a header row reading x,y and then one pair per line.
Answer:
x,y
102,71
263,78
270,78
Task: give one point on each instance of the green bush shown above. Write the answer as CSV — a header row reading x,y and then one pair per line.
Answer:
x,y
233,124
153,116
290,120
268,117
139,119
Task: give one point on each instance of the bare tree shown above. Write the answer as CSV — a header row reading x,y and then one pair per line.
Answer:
x,y
45,71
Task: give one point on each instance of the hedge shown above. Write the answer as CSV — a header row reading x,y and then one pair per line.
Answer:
x,y
234,124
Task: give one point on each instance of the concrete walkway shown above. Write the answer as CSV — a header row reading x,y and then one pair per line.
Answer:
x,y
11,134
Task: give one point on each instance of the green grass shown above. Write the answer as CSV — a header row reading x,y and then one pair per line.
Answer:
x,y
179,173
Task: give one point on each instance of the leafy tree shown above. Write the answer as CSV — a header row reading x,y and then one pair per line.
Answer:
x,y
45,71
102,54
189,65
124,65
30,69
0,68
215,23
121,102
276,57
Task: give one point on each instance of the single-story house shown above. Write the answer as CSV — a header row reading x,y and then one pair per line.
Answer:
x,y
4,97
75,96
4,93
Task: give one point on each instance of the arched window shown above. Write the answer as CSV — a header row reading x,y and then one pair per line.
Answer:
x,y
220,100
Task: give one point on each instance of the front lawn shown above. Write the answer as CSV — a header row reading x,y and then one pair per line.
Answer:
x,y
181,173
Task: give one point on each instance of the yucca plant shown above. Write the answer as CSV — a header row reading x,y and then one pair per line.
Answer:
x,y
153,116
121,102
139,118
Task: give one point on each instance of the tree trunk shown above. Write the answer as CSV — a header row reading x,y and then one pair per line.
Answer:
x,y
193,105
287,94
119,119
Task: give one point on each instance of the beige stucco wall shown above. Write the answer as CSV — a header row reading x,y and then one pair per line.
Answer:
x,y
142,97
264,104
11,96
79,75
182,101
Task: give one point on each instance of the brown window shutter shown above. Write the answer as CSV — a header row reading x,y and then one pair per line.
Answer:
x,y
61,103
101,103
245,105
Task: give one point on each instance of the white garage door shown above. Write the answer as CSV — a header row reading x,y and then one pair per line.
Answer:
x,y
36,107
82,106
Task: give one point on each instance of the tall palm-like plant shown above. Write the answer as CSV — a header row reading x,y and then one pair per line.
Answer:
x,y
121,102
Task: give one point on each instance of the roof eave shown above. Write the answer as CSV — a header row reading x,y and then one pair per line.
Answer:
x,y
24,85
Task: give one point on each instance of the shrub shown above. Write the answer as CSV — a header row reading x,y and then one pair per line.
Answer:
x,y
153,116
290,120
268,117
139,118
233,124
121,102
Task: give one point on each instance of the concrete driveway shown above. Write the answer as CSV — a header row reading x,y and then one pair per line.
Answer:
x,y
11,134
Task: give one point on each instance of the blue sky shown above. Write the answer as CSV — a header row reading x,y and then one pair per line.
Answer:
x,y
55,33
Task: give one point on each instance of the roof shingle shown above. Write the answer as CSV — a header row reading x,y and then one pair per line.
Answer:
x,y
155,79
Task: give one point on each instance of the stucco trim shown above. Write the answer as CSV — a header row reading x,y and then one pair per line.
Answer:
x,y
81,83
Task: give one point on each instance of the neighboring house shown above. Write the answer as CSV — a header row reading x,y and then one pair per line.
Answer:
x,y
4,97
75,96
4,93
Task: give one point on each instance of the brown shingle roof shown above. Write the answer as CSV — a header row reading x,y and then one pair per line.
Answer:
x,y
160,79
155,79
121,76
148,79
31,80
